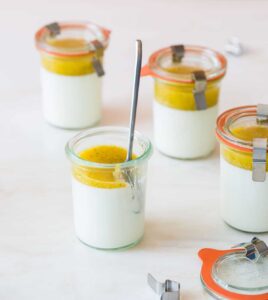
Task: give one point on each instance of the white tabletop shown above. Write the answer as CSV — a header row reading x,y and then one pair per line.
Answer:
x,y
40,258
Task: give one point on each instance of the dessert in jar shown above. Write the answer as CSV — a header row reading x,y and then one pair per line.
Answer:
x,y
243,134
71,70
108,192
186,91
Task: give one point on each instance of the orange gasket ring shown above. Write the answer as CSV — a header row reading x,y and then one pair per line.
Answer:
x,y
209,258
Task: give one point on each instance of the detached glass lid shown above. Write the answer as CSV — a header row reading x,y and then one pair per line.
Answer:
x,y
71,39
239,273
178,63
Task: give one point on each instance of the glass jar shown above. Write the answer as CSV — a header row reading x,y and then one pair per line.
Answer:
x,y
244,188
186,91
108,197
71,70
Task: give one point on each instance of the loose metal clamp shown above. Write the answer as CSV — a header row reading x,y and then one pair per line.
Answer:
x,y
254,250
177,53
200,84
169,290
97,65
53,28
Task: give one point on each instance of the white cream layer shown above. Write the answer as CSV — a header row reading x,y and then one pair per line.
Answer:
x,y
184,134
244,203
71,102
107,218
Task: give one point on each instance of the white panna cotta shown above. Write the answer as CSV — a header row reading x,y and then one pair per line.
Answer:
x,y
71,101
184,134
244,203
107,218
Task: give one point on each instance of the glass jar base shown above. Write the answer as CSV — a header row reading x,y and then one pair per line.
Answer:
x,y
112,249
72,128
187,158
244,230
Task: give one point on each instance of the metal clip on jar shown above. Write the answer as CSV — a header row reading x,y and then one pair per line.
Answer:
x,y
243,134
71,70
187,86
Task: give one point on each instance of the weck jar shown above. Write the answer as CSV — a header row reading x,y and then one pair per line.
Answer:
x,y
108,192
243,134
186,93
71,72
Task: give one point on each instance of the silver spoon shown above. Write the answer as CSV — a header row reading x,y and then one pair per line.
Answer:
x,y
130,174
126,174
134,103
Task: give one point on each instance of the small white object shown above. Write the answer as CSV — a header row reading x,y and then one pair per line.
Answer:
x,y
71,102
234,46
183,133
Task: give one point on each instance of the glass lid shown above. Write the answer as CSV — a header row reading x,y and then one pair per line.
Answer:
x,y
163,63
238,127
240,273
71,39
235,272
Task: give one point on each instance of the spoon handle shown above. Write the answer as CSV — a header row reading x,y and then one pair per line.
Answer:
x,y
135,93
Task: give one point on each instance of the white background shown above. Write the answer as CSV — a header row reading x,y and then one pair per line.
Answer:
x,y
40,257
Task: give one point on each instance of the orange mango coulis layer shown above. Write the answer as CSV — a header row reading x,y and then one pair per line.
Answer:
x,y
108,178
239,158
180,95
68,65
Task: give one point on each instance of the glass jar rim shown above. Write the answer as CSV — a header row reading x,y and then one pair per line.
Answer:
x,y
154,69
224,122
73,157
101,35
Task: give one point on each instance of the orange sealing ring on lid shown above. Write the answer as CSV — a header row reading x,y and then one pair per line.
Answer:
x,y
90,27
225,136
154,68
209,258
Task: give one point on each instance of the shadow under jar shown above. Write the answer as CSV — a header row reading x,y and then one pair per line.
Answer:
x,y
243,134
108,193
186,91
71,70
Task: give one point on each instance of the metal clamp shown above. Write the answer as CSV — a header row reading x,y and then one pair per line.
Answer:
x,y
169,290
259,159
177,53
98,47
254,250
53,28
97,64
200,81
262,113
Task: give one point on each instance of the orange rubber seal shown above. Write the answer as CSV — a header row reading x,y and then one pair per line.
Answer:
x,y
149,69
209,258
39,34
220,129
